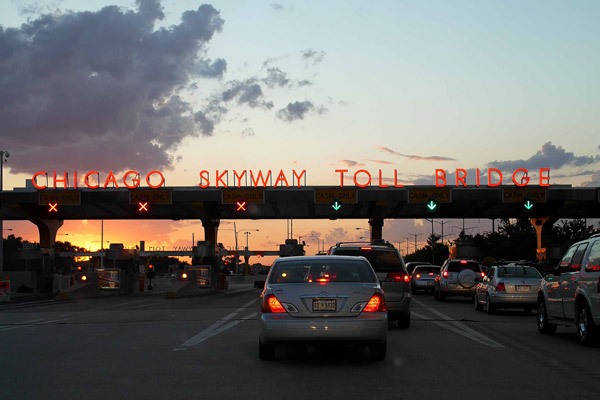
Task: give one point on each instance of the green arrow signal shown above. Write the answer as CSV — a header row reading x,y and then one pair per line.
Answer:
x,y
336,205
528,205
431,205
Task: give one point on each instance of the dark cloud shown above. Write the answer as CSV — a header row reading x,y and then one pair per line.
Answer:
x,y
103,87
413,156
594,180
312,56
297,110
276,77
276,6
337,235
550,156
247,92
304,82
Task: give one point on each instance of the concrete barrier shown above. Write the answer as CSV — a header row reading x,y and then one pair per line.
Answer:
x,y
22,278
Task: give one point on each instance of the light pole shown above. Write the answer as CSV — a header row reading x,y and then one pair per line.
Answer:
x,y
318,241
3,157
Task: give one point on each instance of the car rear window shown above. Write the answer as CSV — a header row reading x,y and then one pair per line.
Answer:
x,y
382,260
426,270
457,266
518,272
330,270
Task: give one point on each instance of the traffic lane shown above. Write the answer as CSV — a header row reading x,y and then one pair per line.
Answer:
x,y
100,359
561,352
424,361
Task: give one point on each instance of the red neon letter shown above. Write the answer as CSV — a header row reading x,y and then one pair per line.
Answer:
x,y
87,182
524,177
396,179
365,172
35,183
544,178
63,180
298,177
162,179
490,170
75,178
111,178
220,178
381,185
260,176
461,178
439,177
136,181
204,178
341,171
281,177
477,177
239,177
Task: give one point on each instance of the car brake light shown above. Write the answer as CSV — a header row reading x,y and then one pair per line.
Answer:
x,y
445,274
418,276
375,304
463,261
483,274
322,280
366,248
431,274
397,277
500,287
270,304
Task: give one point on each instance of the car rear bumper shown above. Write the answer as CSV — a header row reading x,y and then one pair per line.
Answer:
x,y
401,307
458,290
366,327
423,285
514,299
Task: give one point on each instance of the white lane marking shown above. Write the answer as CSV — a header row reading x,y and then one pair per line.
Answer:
x,y
116,305
49,322
465,330
31,323
216,328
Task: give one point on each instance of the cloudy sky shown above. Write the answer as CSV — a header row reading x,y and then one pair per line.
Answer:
x,y
182,86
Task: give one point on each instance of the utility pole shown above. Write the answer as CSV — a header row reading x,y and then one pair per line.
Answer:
x,y
3,156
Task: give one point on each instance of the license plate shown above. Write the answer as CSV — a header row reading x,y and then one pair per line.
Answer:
x,y
324,305
430,283
523,288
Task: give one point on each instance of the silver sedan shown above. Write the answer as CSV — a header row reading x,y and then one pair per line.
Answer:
x,y
322,299
508,286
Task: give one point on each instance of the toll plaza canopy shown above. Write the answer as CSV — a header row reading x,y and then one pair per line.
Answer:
x,y
308,202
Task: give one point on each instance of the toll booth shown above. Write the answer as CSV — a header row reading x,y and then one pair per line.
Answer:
x,y
291,248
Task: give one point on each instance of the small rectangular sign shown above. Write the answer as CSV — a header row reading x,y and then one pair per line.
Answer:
x,y
109,279
424,195
152,196
232,196
328,195
520,194
66,198
4,284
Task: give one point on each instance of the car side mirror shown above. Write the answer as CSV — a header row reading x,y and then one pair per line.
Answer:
x,y
259,284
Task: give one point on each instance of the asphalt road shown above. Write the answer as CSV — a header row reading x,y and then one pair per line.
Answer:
x,y
146,347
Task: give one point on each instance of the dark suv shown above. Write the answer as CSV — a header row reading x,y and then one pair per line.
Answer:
x,y
391,272
457,277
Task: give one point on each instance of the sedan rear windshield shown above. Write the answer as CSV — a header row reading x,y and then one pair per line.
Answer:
x,y
426,270
330,270
457,266
518,272
382,260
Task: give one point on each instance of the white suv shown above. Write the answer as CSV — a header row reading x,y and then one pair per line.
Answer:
x,y
570,295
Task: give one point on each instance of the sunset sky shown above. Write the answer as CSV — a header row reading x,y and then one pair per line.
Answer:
x,y
182,87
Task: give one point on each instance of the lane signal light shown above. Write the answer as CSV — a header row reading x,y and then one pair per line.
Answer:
x,y
528,205
336,204
53,207
241,205
431,205
143,206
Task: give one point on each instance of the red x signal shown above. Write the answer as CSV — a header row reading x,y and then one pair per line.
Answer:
x,y
53,207
143,206
241,206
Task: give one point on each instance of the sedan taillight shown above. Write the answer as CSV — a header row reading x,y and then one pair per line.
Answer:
x,y
270,304
500,287
445,274
375,304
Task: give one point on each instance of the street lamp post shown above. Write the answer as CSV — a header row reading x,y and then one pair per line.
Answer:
x,y
3,157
